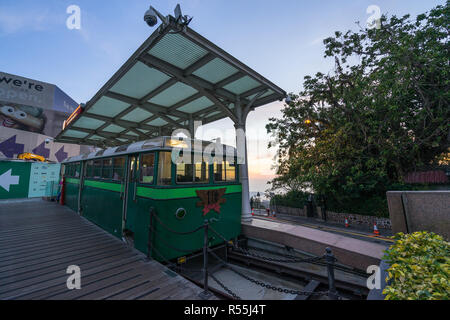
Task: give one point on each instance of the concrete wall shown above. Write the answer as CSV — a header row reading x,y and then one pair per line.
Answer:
x,y
412,211
300,212
338,217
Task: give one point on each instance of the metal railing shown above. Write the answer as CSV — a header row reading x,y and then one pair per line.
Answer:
x,y
328,258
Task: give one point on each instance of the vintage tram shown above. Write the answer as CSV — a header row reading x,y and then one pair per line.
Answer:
x,y
137,192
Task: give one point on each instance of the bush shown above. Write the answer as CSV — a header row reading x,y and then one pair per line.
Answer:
x,y
419,267
292,199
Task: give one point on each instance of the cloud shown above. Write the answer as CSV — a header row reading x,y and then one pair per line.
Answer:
x,y
15,21
317,41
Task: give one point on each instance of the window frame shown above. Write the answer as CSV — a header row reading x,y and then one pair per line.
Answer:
x,y
236,173
155,168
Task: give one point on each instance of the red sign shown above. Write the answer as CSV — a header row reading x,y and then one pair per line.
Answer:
x,y
73,116
211,199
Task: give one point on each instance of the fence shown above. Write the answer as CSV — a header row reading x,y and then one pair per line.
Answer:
x,y
23,179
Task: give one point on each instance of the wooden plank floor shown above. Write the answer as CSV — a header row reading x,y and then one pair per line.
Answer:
x,y
40,239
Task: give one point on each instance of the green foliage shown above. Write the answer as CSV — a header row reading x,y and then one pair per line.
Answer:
x,y
292,199
419,267
382,113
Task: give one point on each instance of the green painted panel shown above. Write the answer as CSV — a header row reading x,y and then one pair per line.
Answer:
x,y
73,180
71,196
177,193
116,187
102,207
227,223
14,179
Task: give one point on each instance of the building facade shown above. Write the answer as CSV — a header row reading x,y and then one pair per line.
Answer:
x,y
31,114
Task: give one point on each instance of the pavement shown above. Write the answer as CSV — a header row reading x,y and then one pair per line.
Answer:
x,y
360,232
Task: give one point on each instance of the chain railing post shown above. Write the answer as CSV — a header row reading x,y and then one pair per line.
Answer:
x,y
205,294
330,260
149,240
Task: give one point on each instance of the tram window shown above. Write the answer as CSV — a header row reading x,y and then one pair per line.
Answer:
x,y
184,173
90,169
224,171
165,168
97,171
193,173
67,170
76,170
107,168
118,168
147,168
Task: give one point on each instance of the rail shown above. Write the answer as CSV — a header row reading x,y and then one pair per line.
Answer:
x,y
328,257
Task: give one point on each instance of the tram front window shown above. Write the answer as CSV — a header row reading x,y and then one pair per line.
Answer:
x,y
224,171
165,169
118,168
147,168
193,173
97,172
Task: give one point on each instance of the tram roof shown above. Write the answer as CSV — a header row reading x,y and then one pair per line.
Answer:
x,y
175,76
159,143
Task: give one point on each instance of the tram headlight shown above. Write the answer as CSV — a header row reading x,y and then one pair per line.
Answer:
x,y
180,213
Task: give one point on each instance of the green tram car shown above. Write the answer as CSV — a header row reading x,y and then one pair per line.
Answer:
x,y
120,188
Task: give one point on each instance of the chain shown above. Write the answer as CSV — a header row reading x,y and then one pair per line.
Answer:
x,y
281,290
173,231
268,286
170,246
235,296
217,233
290,260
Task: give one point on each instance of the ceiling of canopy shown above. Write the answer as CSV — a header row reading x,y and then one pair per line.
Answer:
x,y
174,78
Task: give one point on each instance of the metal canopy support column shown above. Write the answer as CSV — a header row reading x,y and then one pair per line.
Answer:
x,y
241,146
241,113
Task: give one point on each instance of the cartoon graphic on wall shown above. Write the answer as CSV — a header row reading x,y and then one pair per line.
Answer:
x,y
31,119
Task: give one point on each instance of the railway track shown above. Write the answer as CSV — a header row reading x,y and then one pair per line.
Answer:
x,y
313,281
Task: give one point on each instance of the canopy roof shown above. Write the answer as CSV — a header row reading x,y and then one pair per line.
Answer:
x,y
159,143
173,79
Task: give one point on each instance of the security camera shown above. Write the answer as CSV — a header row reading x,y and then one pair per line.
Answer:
x,y
47,141
150,17
288,99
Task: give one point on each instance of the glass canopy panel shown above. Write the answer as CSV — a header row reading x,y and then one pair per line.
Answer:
x,y
268,93
95,137
122,140
88,123
177,50
176,93
137,115
142,130
75,134
213,114
139,81
215,71
242,85
131,133
108,107
114,128
157,122
173,118
196,105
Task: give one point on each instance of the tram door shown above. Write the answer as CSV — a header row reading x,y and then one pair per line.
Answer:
x,y
130,197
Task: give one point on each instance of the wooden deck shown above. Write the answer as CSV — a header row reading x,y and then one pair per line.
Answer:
x,y
39,240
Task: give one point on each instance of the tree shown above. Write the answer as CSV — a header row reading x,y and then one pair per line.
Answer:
x,y
384,110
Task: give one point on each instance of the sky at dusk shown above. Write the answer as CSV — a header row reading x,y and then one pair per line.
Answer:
x,y
282,40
